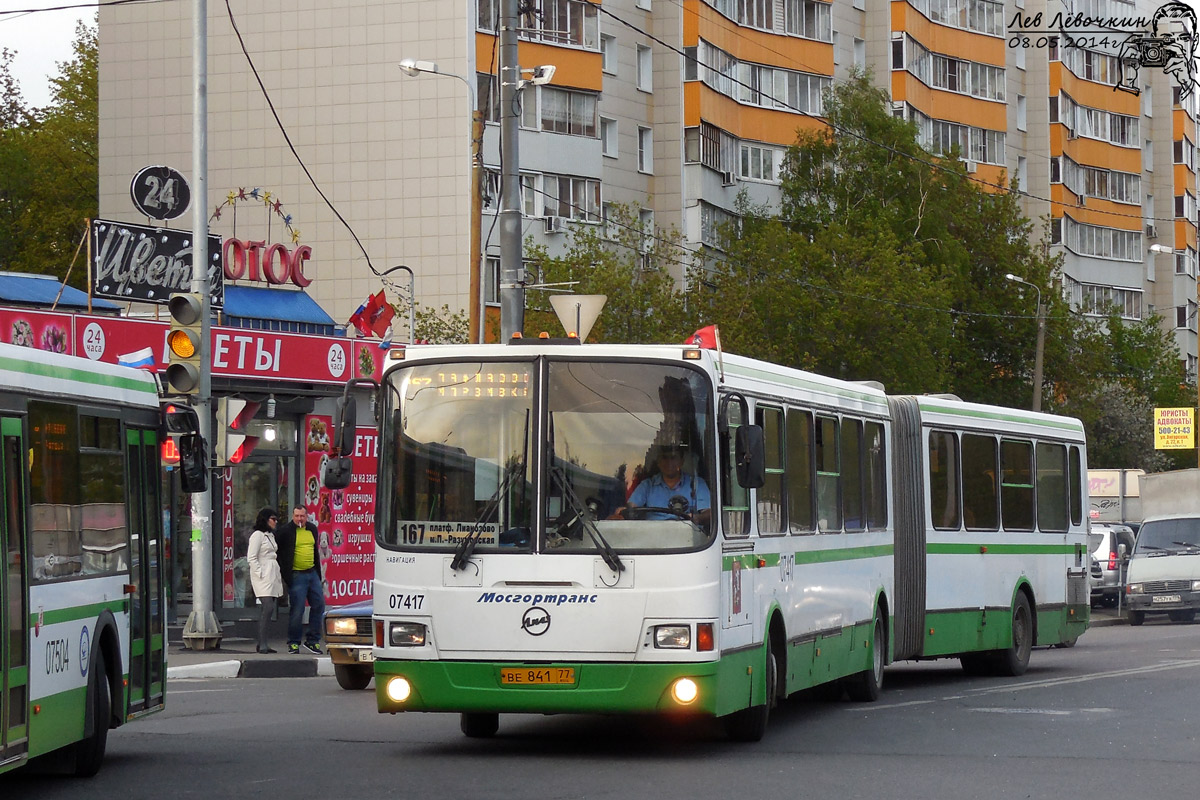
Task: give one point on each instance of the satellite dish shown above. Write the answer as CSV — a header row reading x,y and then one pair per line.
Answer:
x,y
578,312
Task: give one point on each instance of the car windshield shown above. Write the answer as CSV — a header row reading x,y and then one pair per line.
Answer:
x,y
630,459
1168,535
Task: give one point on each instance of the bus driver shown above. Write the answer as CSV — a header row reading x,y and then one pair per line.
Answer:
x,y
669,494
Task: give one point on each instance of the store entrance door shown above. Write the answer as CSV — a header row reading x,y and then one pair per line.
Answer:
x,y
262,482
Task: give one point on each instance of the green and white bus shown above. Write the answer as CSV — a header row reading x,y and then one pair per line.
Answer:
x,y
82,597
824,530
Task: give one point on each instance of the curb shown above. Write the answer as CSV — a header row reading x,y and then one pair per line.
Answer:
x,y
255,668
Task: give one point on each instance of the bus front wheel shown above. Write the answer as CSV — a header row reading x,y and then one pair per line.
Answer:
x,y
750,724
479,725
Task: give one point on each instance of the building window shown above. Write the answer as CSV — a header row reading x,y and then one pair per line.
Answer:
x,y
645,150
759,163
1022,123
860,53
608,54
488,93
1101,242
608,137
491,280
561,22
574,198
557,110
488,15
809,19
645,69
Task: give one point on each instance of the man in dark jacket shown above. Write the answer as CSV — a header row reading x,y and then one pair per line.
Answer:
x,y
300,565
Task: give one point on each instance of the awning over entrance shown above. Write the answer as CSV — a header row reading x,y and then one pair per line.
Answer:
x,y
275,310
42,290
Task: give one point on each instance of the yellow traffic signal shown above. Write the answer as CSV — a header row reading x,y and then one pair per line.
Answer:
x,y
183,343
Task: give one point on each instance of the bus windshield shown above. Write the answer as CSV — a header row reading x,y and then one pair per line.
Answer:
x,y
624,449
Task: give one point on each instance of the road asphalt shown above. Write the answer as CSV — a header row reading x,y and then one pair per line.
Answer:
x,y
236,658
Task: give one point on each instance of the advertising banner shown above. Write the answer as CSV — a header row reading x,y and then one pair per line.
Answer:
x,y
345,518
135,262
1173,428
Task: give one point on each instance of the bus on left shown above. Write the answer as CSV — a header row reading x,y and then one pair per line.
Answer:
x,y
82,635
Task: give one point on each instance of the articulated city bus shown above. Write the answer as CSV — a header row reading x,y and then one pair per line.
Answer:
x,y
666,529
81,600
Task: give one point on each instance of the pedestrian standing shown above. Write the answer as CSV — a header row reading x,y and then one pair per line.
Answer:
x,y
301,566
265,576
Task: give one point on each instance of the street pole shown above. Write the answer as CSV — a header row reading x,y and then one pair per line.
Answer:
x,y
1038,354
512,291
202,631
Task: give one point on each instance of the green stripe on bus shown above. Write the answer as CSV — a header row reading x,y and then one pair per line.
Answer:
x,y
750,560
73,374
975,548
77,612
58,722
1064,424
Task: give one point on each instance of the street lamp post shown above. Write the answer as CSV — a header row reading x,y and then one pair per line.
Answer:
x,y
1041,342
476,315
412,300
1162,248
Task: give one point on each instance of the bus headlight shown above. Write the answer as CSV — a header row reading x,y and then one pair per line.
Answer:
x,y
1133,588
676,637
685,691
406,634
1196,586
398,689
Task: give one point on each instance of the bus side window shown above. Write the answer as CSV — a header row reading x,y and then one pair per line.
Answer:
x,y
852,484
771,510
800,486
1051,487
829,475
980,495
875,477
943,480
1076,468
735,499
1016,484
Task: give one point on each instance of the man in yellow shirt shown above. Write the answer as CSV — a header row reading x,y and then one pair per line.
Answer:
x,y
300,565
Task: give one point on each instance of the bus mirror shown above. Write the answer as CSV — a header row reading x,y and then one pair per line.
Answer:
x,y
336,472
1122,551
751,456
193,463
343,425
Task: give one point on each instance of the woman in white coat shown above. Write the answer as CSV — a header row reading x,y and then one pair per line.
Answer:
x,y
265,576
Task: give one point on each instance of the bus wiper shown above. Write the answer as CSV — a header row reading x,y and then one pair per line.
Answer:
x,y
581,512
1187,545
462,554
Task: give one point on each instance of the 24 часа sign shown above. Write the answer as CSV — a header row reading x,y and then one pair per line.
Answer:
x,y
134,262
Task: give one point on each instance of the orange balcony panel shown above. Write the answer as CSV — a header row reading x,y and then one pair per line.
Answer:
x,y
1095,95
1102,154
1056,73
1058,138
990,177
949,106
576,69
1184,179
760,47
946,40
746,122
1182,125
1107,214
1185,234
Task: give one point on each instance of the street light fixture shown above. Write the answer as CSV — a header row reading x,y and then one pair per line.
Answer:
x,y
1041,341
1160,248
413,68
412,299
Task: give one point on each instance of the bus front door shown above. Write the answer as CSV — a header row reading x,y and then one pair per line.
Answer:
x,y
147,662
14,614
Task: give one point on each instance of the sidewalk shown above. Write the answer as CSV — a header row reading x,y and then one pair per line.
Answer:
x,y
237,658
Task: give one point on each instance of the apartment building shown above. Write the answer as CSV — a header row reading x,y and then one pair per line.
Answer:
x,y
672,107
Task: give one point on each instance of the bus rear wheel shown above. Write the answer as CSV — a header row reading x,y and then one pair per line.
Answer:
x,y
1014,660
352,677
479,724
865,686
89,753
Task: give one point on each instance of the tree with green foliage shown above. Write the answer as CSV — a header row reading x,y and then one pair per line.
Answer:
x,y
49,165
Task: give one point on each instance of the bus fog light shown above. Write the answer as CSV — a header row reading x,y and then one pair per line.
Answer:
x,y
685,691
678,637
407,634
398,689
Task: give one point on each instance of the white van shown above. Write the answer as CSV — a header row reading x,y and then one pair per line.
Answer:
x,y
1164,570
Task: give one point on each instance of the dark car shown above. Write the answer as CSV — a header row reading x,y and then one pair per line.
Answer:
x,y
349,639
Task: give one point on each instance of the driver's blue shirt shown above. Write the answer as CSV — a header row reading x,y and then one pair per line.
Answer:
x,y
655,493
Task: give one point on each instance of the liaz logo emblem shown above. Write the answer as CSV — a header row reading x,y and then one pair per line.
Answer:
x,y
535,621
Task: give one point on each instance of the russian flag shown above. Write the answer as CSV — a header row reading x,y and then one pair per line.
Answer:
x,y
138,359
386,342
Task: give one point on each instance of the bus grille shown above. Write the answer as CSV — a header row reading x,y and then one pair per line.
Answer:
x,y
1166,586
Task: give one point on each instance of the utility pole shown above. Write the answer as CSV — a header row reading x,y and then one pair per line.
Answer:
x,y
512,277
1038,353
202,631
478,316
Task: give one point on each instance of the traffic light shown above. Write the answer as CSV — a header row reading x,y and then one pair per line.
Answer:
x,y
189,451
183,343
233,420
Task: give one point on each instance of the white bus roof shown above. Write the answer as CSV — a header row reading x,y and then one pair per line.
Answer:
x,y
30,371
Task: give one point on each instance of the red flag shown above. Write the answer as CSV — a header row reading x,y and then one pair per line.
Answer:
x,y
379,314
707,337
359,321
